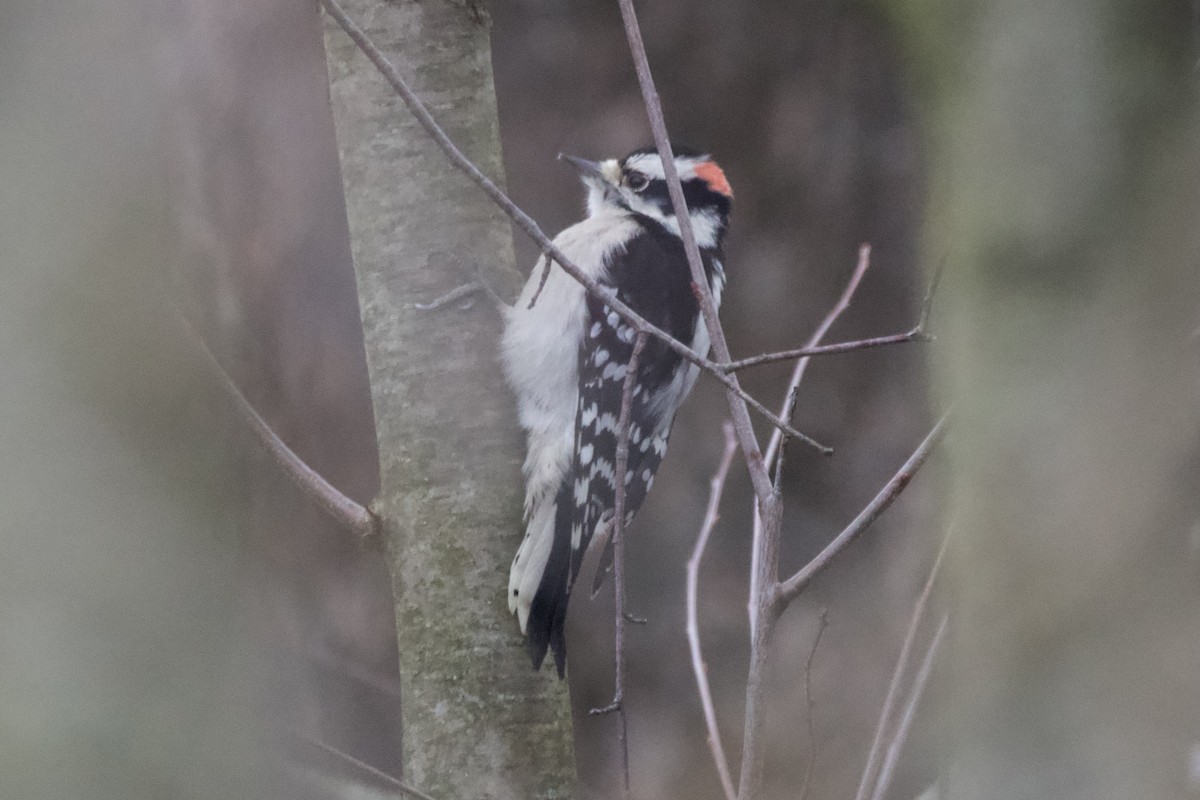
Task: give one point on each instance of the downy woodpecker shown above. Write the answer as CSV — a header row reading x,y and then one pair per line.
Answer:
x,y
567,356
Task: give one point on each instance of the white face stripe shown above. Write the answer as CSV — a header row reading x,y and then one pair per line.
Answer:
x,y
650,165
705,224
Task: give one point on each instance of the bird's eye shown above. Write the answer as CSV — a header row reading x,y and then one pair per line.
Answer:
x,y
637,181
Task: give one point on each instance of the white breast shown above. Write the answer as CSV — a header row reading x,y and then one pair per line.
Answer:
x,y
541,347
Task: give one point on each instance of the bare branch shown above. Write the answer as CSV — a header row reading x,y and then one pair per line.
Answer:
x,y
893,691
547,263
787,591
361,766
920,333
618,540
716,490
341,509
466,290
775,444
927,303
915,335
531,229
910,713
809,705
860,269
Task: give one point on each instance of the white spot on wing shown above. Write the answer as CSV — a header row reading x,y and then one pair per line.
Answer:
x,y
588,416
603,469
614,371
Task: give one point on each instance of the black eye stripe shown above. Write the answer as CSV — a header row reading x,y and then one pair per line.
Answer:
x,y
696,192
656,192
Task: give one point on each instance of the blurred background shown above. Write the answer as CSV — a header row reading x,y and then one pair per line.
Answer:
x,y
177,621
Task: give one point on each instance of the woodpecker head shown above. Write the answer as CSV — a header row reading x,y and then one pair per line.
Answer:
x,y
636,184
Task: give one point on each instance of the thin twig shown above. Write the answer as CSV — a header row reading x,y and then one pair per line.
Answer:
x,y
486,285
914,335
531,229
910,713
861,266
788,590
465,290
930,292
547,263
340,508
716,490
893,691
809,705
780,459
362,766
618,541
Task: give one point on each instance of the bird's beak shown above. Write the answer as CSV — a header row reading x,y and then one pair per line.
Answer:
x,y
586,169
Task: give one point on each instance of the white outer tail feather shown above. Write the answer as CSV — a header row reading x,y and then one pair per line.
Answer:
x,y
531,558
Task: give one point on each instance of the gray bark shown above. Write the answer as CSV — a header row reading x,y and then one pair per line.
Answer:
x,y
1064,174
478,722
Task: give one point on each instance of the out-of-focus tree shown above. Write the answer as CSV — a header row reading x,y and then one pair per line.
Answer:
x,y
1065,160
130,667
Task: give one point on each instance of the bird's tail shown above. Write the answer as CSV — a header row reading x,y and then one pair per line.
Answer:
x,y
539,582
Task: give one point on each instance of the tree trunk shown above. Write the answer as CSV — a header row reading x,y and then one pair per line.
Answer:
x,y
478,722
1064,173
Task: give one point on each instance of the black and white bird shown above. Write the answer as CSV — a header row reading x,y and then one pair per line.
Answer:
x,y
566,359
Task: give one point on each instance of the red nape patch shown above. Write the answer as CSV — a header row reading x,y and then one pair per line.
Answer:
x,y
711,174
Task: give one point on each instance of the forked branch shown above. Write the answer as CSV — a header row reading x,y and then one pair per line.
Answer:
x,y
758,577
